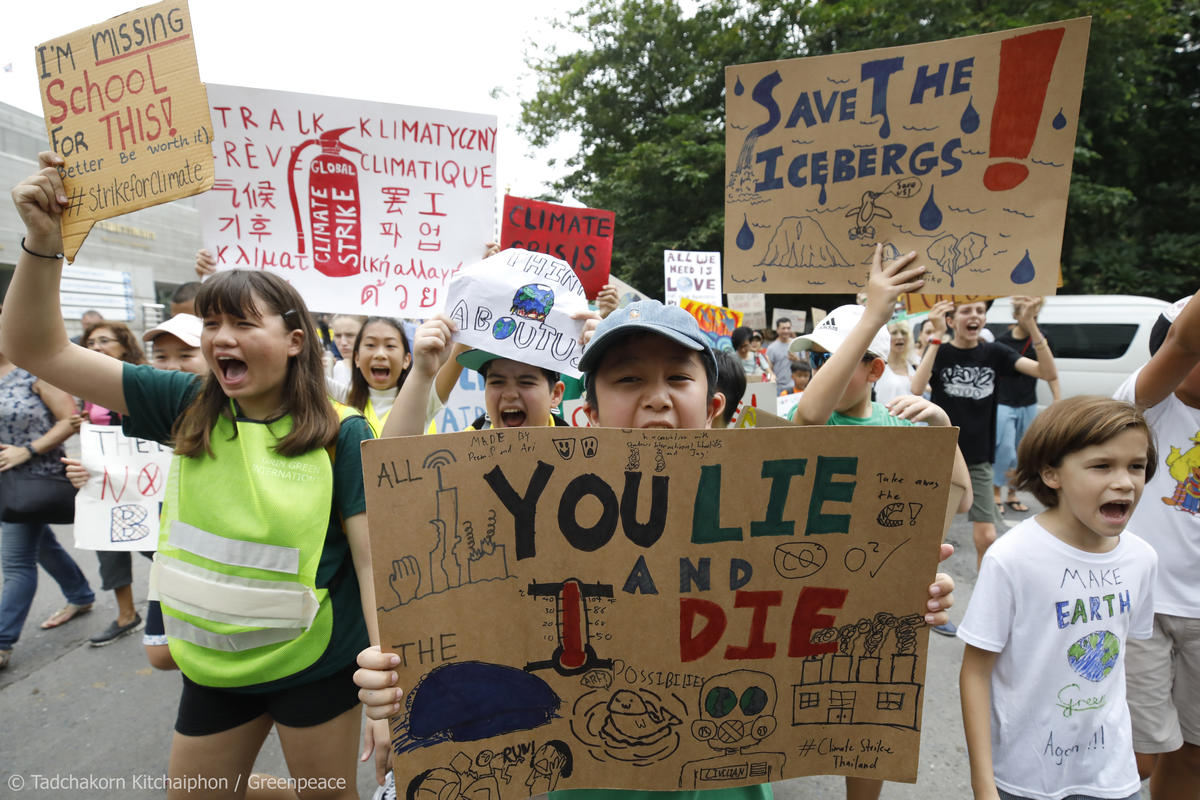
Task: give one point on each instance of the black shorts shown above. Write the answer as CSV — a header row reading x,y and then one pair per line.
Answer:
x,y
205,710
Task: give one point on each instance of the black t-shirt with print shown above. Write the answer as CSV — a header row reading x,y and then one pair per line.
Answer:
x,y
1018,390
964,384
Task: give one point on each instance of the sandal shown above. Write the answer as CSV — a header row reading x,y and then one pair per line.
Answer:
x,y
1016,505
64,615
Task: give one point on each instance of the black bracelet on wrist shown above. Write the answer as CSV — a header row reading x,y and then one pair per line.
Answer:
x,y
33,453
55,257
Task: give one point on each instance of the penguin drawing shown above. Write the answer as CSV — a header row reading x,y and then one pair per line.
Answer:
x,y
867,211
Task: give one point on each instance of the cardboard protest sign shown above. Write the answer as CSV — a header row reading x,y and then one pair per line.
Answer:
x,y
582,237
519,304
960,150
693,274
753,308
118,507
366,208
125,108
662,609
923,303
717,322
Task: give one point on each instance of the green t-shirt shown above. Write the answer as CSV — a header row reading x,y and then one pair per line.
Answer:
x,y
156,398
879,416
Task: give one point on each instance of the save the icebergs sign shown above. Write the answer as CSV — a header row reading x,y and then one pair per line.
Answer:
x,y
960,150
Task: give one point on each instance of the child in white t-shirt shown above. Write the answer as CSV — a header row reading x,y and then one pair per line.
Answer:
x,y
1043,675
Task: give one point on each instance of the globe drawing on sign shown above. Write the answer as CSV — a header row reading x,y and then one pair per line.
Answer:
x,y
1094,656
533,301
504,327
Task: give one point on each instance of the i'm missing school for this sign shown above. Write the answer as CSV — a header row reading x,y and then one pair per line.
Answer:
x,y
653,609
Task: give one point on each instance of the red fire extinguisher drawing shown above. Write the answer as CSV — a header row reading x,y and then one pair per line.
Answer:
x,y
334,207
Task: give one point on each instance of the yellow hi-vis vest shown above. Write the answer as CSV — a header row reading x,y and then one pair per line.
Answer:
x,y
241,539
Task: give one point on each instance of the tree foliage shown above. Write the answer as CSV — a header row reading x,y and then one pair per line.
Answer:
x,y
647,98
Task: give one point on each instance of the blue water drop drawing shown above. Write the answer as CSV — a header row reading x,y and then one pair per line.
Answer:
x,y
764,276
970,119
1024,271
931,215
1060,121
737,87
745,237
822,197
885,130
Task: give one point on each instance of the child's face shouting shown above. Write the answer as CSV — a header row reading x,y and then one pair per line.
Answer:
x,y
967,322
1098,488
656,383
381,356
519,395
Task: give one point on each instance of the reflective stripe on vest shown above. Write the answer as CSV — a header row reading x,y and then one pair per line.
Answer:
x,y
227,642
234,599
239,553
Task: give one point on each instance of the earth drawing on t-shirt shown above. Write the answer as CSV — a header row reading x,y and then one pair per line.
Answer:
x,y
973,382
1094,656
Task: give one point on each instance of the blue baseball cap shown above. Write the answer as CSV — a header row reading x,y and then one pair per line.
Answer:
x,y
653,317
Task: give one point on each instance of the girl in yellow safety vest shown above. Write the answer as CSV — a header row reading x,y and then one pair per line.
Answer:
x,y
263,565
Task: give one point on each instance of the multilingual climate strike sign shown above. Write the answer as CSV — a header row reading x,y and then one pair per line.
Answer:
x,y
960,150
583,237
655,609
125,108
366,208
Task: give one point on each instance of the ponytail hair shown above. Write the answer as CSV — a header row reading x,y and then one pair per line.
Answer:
x,y
255,294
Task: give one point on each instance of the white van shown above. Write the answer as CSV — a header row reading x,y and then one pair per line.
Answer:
x,y
1098,339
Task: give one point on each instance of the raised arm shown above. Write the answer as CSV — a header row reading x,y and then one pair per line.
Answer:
x,y
937,323
884,285
32,327
1178,356
431,348
1044,367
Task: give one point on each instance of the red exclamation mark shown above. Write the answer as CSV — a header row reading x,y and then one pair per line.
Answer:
x,y
1026,63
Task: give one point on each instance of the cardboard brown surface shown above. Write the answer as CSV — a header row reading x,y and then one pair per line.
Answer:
x,y
959,149
559,631
125,108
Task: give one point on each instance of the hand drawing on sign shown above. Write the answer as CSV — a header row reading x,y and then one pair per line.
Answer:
x,y
737,712
466,701
574,653
334,206
952,253
801,242
464,779
799,559
451,555
553,760
128,523
869,207
893,514
876,687
634,726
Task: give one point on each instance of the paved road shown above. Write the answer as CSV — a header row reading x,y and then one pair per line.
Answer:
x,y
103,715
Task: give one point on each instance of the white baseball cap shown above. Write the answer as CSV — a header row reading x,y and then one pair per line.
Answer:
x,y
184,327
833,330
